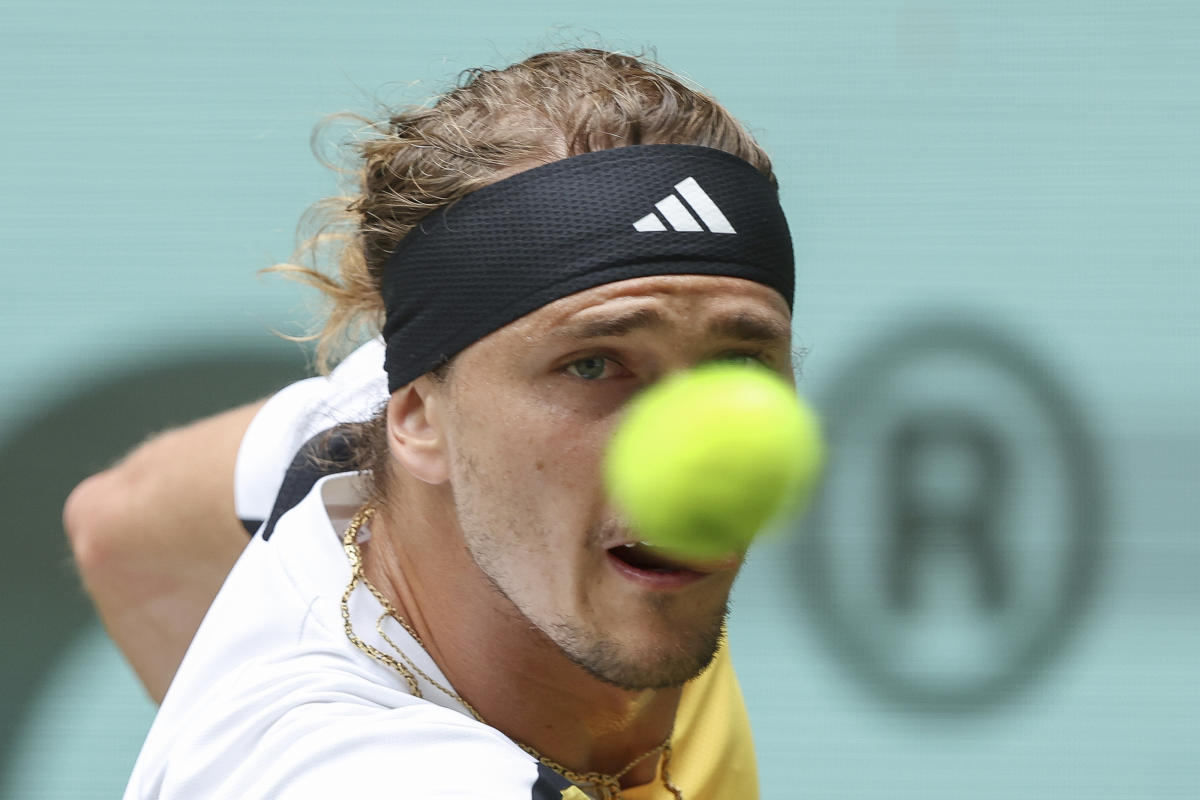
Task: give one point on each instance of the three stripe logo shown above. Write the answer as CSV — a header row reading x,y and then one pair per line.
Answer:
x,y
677,215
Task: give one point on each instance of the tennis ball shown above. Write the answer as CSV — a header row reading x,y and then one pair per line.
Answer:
x,y
705,459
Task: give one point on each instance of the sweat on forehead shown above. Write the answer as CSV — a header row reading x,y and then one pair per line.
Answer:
x,y
512,247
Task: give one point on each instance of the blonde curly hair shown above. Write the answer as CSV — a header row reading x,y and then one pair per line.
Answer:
x,y
493,124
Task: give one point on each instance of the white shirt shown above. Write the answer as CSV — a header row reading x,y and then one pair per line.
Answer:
x,y
273,700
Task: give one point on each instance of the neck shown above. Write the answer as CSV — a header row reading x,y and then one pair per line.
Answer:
x,y
512,675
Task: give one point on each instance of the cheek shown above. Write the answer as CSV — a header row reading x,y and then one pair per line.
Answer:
x,y
554,462
538,461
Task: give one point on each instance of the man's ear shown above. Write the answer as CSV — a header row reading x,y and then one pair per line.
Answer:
x,y
415,429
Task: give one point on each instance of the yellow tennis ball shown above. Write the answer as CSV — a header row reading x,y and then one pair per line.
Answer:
x,y
705,459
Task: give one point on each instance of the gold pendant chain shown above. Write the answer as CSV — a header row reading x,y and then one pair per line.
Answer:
x,y
608,784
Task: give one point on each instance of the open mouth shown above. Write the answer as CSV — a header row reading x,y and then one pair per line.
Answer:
x,y
648,559
657,570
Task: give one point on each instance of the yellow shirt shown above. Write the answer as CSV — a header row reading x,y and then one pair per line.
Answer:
x,y
712,754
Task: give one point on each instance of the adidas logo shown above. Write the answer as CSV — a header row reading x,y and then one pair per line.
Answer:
x,y
677,215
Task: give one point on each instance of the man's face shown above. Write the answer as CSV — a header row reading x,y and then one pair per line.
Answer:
x,y
529,411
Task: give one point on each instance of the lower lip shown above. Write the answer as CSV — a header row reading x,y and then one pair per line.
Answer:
x,y
652,579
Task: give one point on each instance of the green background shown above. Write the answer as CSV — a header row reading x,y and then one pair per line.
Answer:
x,y
1027,169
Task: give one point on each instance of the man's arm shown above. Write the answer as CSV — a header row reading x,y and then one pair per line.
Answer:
x,y
155,536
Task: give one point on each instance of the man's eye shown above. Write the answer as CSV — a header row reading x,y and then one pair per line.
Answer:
x,y
590,368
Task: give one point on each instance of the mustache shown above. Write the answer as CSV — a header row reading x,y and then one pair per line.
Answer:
x,y
611,531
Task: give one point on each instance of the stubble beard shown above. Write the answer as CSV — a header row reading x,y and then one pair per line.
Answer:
x,y
671,665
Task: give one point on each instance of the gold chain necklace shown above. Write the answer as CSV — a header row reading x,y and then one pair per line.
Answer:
x,y
608,784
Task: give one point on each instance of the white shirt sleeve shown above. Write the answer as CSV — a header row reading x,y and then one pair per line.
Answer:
x,y
353,392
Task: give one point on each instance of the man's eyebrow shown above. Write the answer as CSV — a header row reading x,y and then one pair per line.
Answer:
x,y
742,326
752,328
618,325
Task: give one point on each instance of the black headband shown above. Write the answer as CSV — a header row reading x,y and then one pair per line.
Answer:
x,y
510,248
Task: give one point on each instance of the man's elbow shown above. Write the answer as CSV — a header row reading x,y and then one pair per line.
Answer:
x,y
92,519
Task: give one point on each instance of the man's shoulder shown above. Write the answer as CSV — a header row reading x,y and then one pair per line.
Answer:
x,y
353,392
280,601
273,700
306,726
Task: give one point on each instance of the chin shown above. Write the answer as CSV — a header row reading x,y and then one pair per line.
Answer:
x,y
656,662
